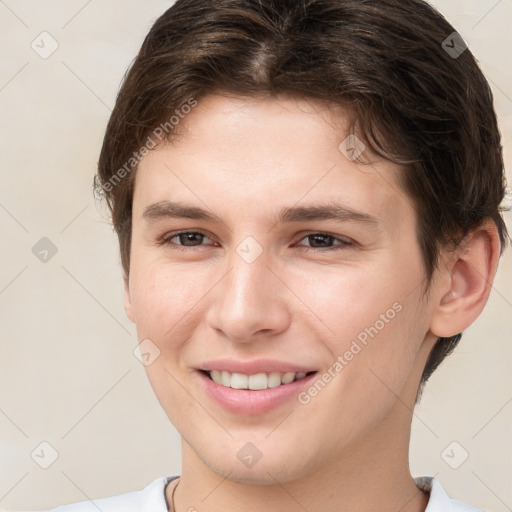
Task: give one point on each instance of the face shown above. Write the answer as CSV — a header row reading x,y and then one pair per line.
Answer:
x,y
259,248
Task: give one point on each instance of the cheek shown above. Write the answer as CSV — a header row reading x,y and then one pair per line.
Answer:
x,y
349,299
163,300
163,297
371,317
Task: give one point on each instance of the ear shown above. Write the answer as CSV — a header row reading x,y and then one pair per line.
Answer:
x,y
127,300
468,276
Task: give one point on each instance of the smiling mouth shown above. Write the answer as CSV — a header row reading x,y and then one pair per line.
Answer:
x,y
254,382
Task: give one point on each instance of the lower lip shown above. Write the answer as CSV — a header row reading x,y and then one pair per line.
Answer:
x,y
253,402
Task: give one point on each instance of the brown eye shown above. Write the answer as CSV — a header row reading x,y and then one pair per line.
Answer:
x,y
326,241
184,238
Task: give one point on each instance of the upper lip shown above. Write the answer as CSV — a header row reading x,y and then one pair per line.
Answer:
x,y
254,366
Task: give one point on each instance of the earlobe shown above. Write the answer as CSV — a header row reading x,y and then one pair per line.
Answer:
x,y
471,274
127,300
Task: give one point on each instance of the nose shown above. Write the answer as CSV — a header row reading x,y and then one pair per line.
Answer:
x,y
250,302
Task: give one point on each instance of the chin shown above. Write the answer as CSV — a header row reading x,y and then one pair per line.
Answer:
x,y
269,470
254,476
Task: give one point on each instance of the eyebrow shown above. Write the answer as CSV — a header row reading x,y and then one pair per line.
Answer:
x,y
329,211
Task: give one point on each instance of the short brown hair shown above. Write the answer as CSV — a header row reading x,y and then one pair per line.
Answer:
x,y
416,102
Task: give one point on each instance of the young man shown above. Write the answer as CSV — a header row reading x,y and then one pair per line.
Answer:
x,y
306,195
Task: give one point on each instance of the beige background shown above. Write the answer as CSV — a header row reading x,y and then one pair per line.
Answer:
x,y
68,375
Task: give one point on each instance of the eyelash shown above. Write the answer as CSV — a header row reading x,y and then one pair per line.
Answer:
x,y
166,241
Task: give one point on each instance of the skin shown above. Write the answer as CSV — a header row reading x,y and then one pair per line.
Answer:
x,y
347,449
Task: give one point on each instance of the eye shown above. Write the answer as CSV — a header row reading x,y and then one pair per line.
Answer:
x,y
189,240
185,238
326,239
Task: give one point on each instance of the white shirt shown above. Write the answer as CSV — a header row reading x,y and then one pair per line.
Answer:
x,y
152,499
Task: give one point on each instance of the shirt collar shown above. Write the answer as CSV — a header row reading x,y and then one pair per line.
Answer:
x,y
439,501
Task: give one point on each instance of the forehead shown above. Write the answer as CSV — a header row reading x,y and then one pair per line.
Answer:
x,y
282,150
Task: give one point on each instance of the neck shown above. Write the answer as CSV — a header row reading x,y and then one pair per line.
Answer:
x,y
373,473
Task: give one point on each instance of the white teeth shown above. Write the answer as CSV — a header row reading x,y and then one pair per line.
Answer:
x,y
239,381
288,377
226,379
254,382
216,376
273,380
258,381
